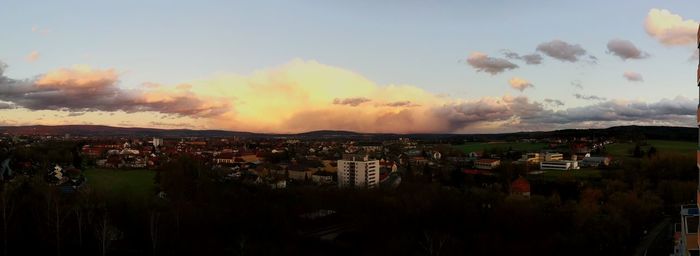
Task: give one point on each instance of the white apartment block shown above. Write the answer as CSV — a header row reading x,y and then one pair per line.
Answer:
x,y
358,172
559,165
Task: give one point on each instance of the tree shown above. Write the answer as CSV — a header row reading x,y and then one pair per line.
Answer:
x,y
651,152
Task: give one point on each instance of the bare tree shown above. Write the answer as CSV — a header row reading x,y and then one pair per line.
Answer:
x,y
433,242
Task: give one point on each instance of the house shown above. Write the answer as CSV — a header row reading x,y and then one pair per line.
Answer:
x,y
299,173
322,177
520,187
595,161
487,164
225,158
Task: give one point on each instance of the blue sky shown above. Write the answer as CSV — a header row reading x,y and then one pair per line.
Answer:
x,y
419,43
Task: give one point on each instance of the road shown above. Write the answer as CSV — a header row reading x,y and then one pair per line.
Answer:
x,y
653,234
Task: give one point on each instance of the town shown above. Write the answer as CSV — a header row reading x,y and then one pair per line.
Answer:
x,y
494,173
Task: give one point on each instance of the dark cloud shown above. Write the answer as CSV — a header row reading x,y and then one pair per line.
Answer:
x,y
483,63
673,111
530,59
561,50
625,50
351,101
588,97
510,54
98,90
76,113
633,76
400,104
488,110
553,102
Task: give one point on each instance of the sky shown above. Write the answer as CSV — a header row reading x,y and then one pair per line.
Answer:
x,y
411,66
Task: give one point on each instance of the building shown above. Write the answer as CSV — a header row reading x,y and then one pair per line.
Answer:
x,y
322,177
686,237
358,171
551,157
299,174
487,164
157,142
225,158
520,187
559,165
530,158
595,161
686,232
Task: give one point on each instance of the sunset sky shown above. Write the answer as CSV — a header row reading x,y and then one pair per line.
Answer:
x,y
370,66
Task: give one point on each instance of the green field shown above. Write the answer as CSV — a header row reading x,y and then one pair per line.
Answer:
x,y
122,183
521,146
662,147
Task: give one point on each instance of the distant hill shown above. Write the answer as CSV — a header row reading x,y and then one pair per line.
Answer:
x,y
622,132
101,130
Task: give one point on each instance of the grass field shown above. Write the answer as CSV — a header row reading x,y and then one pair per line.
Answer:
x,y
123,183
480,146
662,146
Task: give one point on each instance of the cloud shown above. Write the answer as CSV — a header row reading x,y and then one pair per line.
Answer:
x,y
405,103
520,84
677,111
577,84
633,76
351,101
81,89
530,59
171,125
6,105
588,97
40,31
483,63
32,57
76,113
510,54
298,96
553,102
561,50
625,50
669,28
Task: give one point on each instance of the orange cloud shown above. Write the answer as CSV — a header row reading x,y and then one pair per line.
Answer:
x,y
33,56
670,29
519,84
79,76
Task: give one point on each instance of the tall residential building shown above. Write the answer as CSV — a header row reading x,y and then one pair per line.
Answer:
x,y
687,240
358,171
698,151
157,142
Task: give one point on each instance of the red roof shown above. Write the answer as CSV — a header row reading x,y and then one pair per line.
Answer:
x,y
520,185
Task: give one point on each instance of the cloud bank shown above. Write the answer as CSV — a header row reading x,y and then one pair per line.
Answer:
x,y
306,95
81,89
